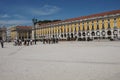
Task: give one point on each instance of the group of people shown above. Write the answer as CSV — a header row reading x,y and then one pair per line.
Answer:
x,y
19,42
50,41
24,42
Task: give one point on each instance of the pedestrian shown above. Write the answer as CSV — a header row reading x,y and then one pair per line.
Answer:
x,y
20,42
49,41
15,42
43,41
25,42
28,42
2,43
31,42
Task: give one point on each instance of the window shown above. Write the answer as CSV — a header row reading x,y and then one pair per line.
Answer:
x,y
103,26
58,30
79,27
75,28
108,23
64,29
83,26
61,30
92,25
115,23
68,29
53,30
87,25
97,25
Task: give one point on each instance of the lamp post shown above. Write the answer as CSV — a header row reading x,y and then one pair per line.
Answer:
x,y
34,23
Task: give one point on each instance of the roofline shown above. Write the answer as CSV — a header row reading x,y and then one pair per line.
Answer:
x,y
102,14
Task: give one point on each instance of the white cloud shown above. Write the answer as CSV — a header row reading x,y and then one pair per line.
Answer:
x,y
18,16
45,10
5,16
11,22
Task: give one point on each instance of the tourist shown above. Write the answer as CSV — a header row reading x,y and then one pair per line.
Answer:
x,y
48,41
2,43
28,42
31,42
15,42
43,41
20,42
25,42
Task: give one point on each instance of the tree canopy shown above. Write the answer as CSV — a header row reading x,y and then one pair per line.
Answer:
x,y
47,21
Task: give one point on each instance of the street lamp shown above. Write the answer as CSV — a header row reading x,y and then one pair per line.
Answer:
x,y
34,23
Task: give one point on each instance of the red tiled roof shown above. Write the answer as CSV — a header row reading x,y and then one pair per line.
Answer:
x,y
24,27
85,17
94,15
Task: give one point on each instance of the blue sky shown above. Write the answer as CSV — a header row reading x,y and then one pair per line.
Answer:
x,y
21,12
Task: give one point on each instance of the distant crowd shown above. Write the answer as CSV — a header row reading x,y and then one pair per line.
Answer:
x,y
50,41
19,42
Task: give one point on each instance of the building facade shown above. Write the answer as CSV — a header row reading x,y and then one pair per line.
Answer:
x,y
104,25
20,32
3,33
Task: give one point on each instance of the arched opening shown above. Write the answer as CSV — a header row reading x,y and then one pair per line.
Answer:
x,y
79,34
64,35
109,32
103,34
68,37
115,33
93,33
98,33
72,35
83,34
109,35
88,33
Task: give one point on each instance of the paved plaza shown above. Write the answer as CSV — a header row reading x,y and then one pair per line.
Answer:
x,y
63,61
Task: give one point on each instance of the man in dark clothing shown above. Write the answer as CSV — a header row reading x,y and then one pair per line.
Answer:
x,y
2,44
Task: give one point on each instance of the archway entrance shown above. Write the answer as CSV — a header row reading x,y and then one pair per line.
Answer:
x,y
108,32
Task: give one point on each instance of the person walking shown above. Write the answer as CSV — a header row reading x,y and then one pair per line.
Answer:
x,y
31,42
2,43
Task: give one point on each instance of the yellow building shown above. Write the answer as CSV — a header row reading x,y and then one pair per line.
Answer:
x,y
20,32
3,33
104,25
